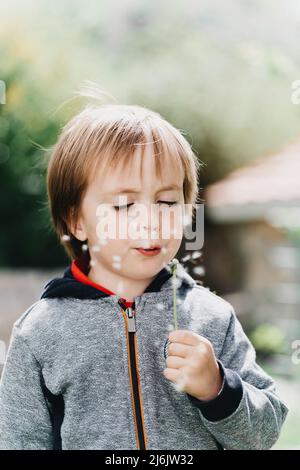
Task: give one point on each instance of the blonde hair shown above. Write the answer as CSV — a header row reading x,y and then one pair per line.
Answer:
x,y
107,135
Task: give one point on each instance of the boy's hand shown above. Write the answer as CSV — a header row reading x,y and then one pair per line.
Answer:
x,y
192,365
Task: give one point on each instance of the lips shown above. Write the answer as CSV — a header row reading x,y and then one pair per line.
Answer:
x,y
151,251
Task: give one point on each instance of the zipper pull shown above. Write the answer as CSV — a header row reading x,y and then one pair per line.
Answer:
x,y
131,320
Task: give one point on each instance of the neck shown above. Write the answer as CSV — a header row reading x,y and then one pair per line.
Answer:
x,y
120,285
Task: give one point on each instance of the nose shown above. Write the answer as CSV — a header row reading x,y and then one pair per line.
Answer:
x,y
150,218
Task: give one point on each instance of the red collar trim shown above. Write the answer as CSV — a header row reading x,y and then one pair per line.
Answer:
x,y
81,277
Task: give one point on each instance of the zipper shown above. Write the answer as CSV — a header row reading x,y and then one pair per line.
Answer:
x,y
129,316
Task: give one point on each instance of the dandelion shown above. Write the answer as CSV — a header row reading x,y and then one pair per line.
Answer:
x,y
65,238
84,247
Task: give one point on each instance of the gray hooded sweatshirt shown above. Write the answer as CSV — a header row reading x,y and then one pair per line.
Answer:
x,y
85,371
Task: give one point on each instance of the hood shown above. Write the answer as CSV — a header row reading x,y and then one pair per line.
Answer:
x,y
69,286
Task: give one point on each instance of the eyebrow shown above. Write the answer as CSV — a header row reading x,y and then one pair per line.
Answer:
x,y
135,190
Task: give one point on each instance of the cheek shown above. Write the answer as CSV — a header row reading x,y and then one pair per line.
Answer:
x,y
172,224
106,228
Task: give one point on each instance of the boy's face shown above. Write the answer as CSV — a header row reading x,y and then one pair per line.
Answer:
x,y
115,234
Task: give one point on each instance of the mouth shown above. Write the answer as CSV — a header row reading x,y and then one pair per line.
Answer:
x,y
152,251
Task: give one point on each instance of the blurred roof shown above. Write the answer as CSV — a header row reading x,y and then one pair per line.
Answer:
x,y
249,192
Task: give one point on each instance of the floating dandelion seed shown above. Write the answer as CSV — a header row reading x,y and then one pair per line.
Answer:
x,y
180,385
120,287
84,247
160,306
186,258
153,235
187,219
116,258
170,327
199,270
65,238
164,250
144,244
196,255
116,265
92,262
95,248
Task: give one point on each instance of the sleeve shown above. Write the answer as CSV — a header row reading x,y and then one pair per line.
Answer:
x,y
25,421
247,413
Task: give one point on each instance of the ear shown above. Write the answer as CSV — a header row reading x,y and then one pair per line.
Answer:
x,y
78,230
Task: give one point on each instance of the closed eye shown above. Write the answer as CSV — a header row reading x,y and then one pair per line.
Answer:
x,y
170,203
126,206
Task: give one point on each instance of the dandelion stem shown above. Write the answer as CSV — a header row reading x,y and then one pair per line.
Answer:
x,y
174,267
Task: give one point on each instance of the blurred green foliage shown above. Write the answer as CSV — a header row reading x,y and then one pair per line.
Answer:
x,y
268,340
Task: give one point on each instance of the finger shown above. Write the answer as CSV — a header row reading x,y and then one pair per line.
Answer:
x,y
172,374
186,337
180,350
175,362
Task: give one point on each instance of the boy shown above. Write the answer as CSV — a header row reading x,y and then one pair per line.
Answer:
x,y
88,366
